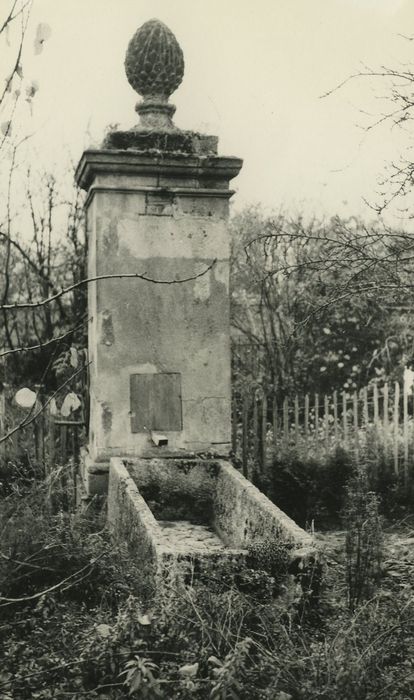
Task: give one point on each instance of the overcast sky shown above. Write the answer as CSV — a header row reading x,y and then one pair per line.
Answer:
x,y
255,71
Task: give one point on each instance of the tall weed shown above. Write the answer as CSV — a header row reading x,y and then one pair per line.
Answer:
x,y
364,540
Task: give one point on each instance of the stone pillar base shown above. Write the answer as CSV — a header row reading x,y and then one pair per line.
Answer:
x,y
94,476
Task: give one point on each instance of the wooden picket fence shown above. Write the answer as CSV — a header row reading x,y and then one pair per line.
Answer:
x,y
46,440
376,419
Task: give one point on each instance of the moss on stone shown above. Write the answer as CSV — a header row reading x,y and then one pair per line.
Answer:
x,y
152,141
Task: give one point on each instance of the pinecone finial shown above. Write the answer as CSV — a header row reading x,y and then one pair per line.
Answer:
x,y
154,65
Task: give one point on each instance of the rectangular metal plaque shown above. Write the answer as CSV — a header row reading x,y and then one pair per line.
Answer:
x,y
156,402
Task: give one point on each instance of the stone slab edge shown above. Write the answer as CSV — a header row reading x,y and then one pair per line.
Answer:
x,y
303,543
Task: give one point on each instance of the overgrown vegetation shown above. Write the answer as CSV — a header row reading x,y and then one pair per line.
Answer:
x,y
309,489
72,623
319,305
313,490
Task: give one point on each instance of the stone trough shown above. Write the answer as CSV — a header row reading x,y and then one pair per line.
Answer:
x,y
196,512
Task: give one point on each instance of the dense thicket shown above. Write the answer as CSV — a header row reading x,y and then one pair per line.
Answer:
x,y
320,305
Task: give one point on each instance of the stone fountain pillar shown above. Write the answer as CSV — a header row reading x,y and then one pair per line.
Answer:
x,y
159,336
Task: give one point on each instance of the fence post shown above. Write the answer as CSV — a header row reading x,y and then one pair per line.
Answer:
x,y
245,426
376,425
264,430
376,408
234,424
275,423
385,418
63,430
405,431
76,452
296,422
411,432
316,425
356,436
286,422
306,422
255,428
2,422
43,436
365,406
36,428
326,422
335,410
345,419
396,424
52,441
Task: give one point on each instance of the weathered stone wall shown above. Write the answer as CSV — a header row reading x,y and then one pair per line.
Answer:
x,y
243,515
169,223
177,489
143,327
132,522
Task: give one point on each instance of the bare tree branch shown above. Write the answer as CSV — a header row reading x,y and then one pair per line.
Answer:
x,y
127,275
40,346
25,21
88,567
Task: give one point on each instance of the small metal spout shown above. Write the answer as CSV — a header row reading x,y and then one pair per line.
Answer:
x,y
159,439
